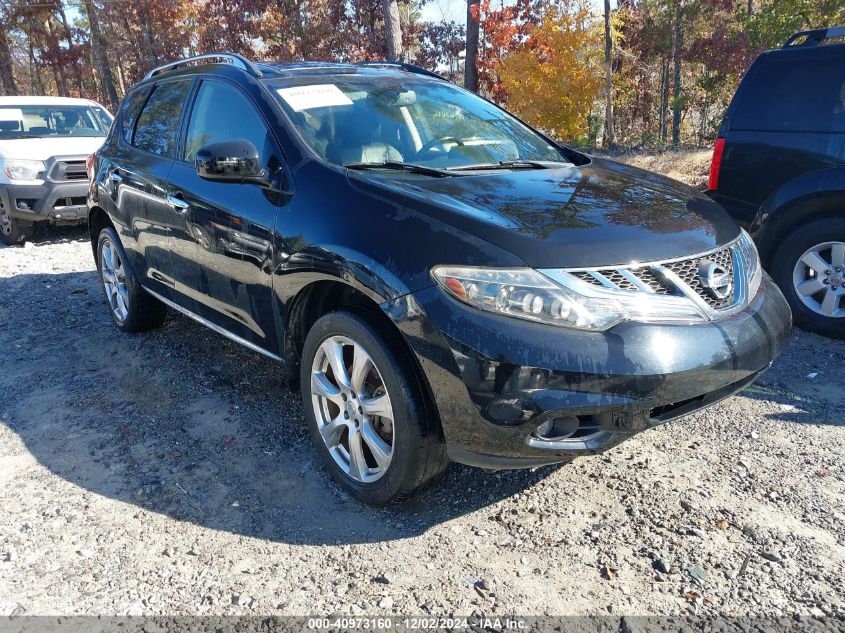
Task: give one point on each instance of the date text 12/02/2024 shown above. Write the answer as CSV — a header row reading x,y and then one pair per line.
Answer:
x,y
416,623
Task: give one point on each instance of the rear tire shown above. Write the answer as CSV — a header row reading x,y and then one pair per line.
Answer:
x,y
131,308
405,453
12,230
812,259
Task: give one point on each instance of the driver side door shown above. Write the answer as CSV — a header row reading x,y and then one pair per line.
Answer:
x,y
223,268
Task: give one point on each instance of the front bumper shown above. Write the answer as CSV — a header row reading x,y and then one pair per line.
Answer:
x,y
56,201
496,379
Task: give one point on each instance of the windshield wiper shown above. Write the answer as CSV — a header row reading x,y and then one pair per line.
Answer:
x,y
507,164
399,165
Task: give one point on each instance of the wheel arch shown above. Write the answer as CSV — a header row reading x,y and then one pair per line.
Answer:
x,y
324,296
98,220
777,218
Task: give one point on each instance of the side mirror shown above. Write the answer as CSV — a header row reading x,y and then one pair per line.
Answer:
x,y
231,161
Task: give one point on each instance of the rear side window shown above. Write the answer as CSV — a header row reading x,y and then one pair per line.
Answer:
x,y
129,110
158,124
788,94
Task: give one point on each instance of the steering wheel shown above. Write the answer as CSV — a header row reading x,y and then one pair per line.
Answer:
x,y
438,141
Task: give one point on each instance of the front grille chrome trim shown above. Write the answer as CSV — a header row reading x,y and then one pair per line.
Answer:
x,y
666,284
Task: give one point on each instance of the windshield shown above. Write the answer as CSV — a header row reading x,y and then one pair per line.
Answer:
x,y
373,119
35,121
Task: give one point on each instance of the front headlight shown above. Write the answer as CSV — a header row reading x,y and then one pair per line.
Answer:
x,y
524,293
19,169
749,259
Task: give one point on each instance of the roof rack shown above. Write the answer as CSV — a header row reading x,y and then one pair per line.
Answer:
x,y
816,37
236,60
411,68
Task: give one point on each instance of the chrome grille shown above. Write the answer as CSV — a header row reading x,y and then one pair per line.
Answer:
x,y
679,278
688,271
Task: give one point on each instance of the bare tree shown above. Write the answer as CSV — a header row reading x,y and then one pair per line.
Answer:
x,y
677,46
608,77
69,38
98,49
393,30
7,77
664,97
470,63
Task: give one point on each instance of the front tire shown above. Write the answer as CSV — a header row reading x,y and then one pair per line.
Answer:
x,y
366,411
12,230
809,268
131,308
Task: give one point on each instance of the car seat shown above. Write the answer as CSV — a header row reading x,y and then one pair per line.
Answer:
x,y
356,138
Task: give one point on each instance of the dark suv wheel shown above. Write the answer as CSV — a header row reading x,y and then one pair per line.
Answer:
x,y
132,309
810,269
366,412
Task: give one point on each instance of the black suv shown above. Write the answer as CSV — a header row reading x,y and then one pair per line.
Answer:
x,y
779,169
440,279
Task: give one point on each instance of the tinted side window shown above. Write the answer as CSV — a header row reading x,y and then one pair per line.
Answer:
x,y
793,95
223,113
129,110
158,123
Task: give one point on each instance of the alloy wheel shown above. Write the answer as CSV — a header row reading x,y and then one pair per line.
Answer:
x,y
819,279
114,280
353,409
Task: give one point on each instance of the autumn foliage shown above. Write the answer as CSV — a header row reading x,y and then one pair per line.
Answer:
x,y
674,65
553,78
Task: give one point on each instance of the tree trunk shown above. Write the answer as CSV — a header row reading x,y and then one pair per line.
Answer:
x,y
677,47
34,73
471,62
98,48
61,84
392,30
149,44
7,77
77,61
121,77
664,98
608,78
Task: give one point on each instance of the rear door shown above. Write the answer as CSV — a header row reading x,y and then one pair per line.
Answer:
x,y
225,267
785,121
138,181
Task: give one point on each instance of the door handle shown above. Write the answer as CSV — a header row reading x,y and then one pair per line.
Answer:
x,y
178,204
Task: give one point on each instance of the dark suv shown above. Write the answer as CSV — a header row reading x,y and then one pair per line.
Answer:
x,y
440,279
779,168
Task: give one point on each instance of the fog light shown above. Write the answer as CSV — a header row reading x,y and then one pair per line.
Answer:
x,y
557,428
23,204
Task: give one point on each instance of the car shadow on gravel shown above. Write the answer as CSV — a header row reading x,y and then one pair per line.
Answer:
x,y
181,422
45,234
816,403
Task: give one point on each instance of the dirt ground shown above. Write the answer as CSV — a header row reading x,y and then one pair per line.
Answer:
x,y
691,167
170,473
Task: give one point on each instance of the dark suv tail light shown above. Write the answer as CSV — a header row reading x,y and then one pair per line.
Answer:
x,y
713,183
89,166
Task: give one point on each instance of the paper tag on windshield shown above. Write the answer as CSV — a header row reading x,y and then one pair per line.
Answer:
x,y
319,96
11,114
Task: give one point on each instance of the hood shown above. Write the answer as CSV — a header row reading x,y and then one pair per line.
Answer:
x,y
600,214
44,148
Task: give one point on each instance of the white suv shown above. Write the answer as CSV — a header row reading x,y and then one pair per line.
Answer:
x,y
44,145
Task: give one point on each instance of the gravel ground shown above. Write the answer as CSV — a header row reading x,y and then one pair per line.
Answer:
x,y
171,473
